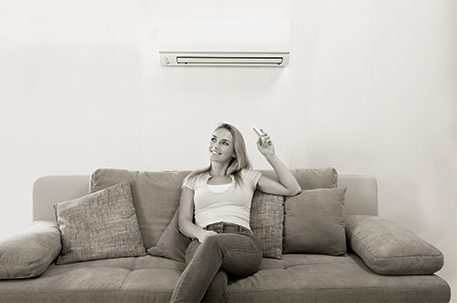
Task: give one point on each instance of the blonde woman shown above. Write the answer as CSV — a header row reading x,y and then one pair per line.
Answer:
x,y
214,212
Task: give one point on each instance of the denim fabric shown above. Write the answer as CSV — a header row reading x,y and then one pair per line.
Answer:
x,y
233,251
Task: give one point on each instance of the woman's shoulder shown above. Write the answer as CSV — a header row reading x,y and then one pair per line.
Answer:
x,y
251,174
249,171
195,179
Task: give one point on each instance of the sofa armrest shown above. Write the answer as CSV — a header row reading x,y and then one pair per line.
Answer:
x,y
388,248
28,253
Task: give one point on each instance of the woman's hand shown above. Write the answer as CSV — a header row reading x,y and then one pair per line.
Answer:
x,y
205,234
286,184
265,145
186,214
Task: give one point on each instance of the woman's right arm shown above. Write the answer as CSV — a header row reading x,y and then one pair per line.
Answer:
x,y
186,214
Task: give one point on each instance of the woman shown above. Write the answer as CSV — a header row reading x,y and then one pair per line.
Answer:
x,y
214,211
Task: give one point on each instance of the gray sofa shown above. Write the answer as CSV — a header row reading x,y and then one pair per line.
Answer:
x,y
333,247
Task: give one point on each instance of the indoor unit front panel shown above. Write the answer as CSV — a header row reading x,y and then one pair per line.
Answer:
x,y
224,44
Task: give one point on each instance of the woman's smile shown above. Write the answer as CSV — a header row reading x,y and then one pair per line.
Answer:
x,y
221,146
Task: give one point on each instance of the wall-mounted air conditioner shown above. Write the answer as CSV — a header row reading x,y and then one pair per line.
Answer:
x,y
224,43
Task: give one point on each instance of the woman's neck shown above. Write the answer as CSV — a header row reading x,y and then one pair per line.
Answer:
x,y
218,169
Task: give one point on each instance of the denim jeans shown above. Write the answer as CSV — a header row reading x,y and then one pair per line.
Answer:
x,y
234,251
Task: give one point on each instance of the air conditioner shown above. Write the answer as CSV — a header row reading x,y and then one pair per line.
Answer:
x,y
224,43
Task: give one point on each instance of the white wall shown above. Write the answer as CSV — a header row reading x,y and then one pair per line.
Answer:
x,y
371,88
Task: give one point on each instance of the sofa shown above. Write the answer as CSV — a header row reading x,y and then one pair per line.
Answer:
x,y
112,236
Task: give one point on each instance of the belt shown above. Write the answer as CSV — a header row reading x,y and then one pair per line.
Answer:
x,y
221,225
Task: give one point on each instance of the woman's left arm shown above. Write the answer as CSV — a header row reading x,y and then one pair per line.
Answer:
x,y
287,185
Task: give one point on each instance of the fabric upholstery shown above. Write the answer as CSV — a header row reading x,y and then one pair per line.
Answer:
x,y
29,252
314,222
266,223
311,178
155,196
172,244
307,278
266,218
267,213
390,249
99,226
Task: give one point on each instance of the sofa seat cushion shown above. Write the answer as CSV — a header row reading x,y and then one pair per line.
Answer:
x,y
133,279
324,278
296,277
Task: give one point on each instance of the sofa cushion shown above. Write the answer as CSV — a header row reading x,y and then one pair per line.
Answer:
x,y
314,222
99,226
29,252
155,197
311,178
390,249
267,213
266,223
294,278
172,244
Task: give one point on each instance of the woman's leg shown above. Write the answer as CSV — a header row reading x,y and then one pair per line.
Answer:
x,y
237,254
217,290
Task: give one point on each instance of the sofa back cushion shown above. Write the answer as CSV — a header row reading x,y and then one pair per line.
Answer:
x,y
155,196
314,222
311,178
267,212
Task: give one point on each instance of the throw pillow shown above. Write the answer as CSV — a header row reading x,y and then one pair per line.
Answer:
x,y
388,248
172,244
99,226
155,196
28,253
314,222
267,213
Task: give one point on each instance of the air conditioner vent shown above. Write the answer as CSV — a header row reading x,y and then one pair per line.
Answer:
x,y
229,60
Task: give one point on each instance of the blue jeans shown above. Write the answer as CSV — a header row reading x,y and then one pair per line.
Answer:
x,y
233,251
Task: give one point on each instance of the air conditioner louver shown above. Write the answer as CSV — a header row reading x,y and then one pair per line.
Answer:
x,y
228,60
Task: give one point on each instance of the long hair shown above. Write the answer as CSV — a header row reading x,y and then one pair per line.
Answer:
x,y
239,162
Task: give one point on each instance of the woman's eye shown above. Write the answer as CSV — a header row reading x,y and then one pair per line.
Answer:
x,y
213,139
225,143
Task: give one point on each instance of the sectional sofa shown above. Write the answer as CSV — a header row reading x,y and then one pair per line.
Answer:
x,y
112,236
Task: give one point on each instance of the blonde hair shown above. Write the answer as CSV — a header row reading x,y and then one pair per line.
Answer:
x,y
238,163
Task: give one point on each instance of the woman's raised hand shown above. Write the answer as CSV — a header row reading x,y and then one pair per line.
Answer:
x,y
265,145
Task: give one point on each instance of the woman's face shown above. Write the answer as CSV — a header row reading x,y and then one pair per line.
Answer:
x,y
221,147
